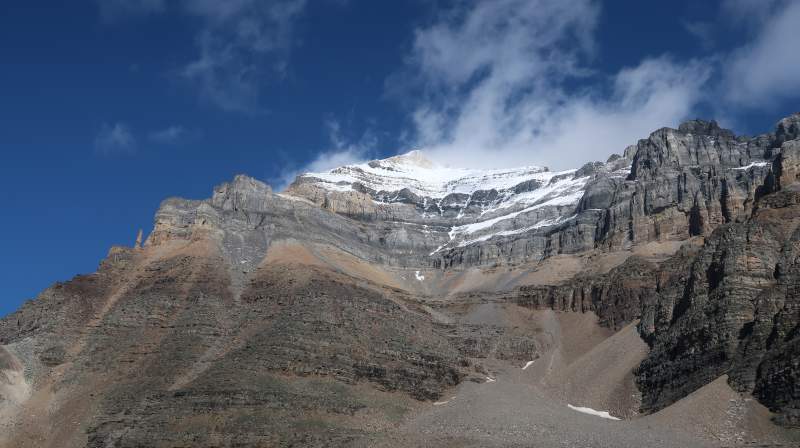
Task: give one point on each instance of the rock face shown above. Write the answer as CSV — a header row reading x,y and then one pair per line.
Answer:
x,y
737,312
330,313
672,185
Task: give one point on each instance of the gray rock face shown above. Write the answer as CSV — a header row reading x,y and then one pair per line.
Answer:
x,y
735,313
263,318
244,193
730,306
687,182
682,182
618,298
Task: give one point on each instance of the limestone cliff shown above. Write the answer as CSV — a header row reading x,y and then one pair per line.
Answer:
x,y
364,300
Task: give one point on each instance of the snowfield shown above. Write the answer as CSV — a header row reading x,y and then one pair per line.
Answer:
x,y
590,411
424,178
432,183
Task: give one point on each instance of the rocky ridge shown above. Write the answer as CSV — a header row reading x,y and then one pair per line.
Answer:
x,y
328,313
674,184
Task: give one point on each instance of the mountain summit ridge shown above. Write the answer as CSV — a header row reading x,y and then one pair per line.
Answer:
x,y
659,286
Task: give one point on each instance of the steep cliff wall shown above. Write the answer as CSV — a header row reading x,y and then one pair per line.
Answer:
x,y
235,304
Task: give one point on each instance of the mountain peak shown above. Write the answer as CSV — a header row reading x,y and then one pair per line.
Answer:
x,y
411,158
423,177
399,280
405,162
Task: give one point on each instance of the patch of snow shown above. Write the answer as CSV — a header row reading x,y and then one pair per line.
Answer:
x,y
622,172
745,168
433,183
540,224
424,178
418,276
527,364
590,411
437,250
478,226
560,192
490,379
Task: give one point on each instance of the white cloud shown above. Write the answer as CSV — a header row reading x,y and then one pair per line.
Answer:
x,y
360,148
751,13
505,82
328,160
512,40
115,139
112,10
498,81
702,31
171,135
342,151
243,44
768,68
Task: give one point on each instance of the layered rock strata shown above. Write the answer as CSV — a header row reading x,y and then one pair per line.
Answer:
x,y
326,314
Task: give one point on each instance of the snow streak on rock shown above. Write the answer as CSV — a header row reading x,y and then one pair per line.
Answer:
x,y
751,165
527,364
590,411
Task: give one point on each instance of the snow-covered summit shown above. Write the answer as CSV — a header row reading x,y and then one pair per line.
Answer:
x,y
474,204
425,178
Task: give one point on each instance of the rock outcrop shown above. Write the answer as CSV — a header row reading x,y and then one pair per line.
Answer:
x,y
737,311
326,314
675,184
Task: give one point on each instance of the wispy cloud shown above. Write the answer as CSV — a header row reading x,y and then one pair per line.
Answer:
x,y
768,67
513,82
172,135
360,148
751,13
702,31
497,81
113,10
116,139
244,44
341,151
500,83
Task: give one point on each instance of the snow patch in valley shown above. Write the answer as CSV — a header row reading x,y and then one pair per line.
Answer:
x,y
590,411
527,364
418,276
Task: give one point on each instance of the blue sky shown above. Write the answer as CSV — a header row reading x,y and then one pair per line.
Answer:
x,y
108,107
